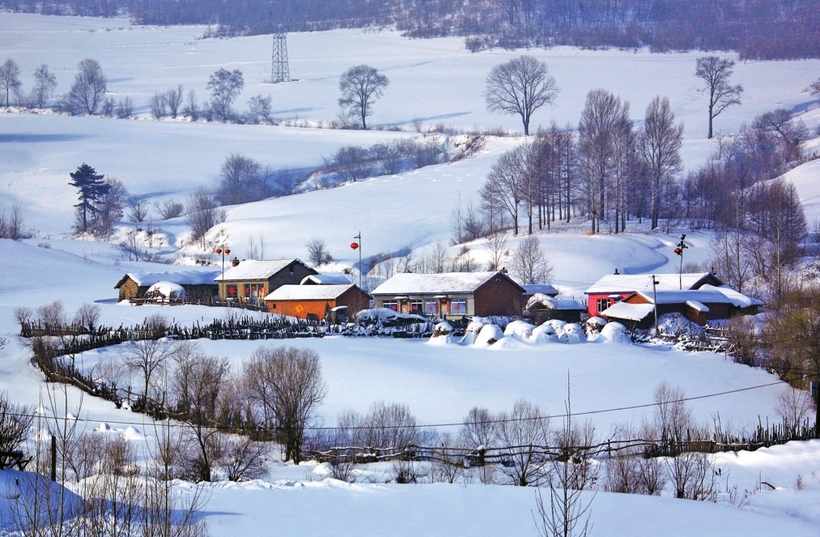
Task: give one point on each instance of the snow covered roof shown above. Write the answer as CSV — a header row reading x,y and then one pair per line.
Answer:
x,y
309,292
737,298
708,294
189,276
555,302
251,269
541,288
327,278
627,283
451,282
631,312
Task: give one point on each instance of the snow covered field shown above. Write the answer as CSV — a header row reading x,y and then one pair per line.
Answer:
x,y
432,81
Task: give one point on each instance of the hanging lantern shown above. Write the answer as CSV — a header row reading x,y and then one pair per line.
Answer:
x,y
219,250
227,251
354,245
678,251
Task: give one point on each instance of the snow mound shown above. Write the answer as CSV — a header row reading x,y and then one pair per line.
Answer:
x,y
489,335
103,427
572,333
132,433
520,330
614,332
165,290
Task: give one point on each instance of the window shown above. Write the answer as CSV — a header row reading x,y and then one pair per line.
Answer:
x,y
391,305
431,307
458,306
603,303
416,306
231,290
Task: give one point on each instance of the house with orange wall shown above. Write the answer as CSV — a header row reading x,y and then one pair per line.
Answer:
x,y
316,301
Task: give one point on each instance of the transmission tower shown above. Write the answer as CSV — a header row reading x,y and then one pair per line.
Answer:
x,y
280,69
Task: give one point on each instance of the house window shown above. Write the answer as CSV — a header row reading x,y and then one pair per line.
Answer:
x,y
247,290
391,305
416,306
603,303
431,307
458,306
231,290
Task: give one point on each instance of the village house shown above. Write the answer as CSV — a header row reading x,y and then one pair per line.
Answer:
x,y
334,302
198,284
251,280
541,308
699,306
616,287
451,295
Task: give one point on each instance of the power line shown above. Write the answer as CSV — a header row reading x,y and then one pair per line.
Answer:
x,y
445,425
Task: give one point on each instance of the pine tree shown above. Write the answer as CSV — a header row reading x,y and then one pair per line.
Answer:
x,y
92,188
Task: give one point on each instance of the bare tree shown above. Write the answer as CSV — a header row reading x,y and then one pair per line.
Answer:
x,y
15,421
659,143
287,383
203,214
715,72
794,407
497,246
603,145
124,108
9,78
12,226
191,109
524,432
520,86
170,209
45,82
87,316
148,358
242,458
108,207
158,105
504,186
360,86
530,263
225,87
259,109
173,98
88,90
195,389
139,208
318,253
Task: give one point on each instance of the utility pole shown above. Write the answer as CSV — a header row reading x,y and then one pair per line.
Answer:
x,y
655,282
815,394
679,250
358,246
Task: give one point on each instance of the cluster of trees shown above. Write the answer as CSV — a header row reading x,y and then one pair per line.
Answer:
x,y
759,29
12,224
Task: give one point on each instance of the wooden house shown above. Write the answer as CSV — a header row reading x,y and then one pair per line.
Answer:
x,y
541,308
252,281
334,302
452,295
615,287
198,283
698,305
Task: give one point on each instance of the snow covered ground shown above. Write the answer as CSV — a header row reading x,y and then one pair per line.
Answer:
x,y
432,81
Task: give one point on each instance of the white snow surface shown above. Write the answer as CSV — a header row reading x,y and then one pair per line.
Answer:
x,y
432,81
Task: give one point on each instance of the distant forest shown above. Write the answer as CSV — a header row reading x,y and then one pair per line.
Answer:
x,y
757,29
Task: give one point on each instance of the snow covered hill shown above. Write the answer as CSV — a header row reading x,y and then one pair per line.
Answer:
x,y
431,82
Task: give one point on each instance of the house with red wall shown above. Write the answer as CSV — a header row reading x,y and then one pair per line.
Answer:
x,y
615,287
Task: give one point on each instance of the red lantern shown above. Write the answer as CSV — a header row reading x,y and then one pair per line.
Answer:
x,y
354,245
227,251
678,251
219,250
